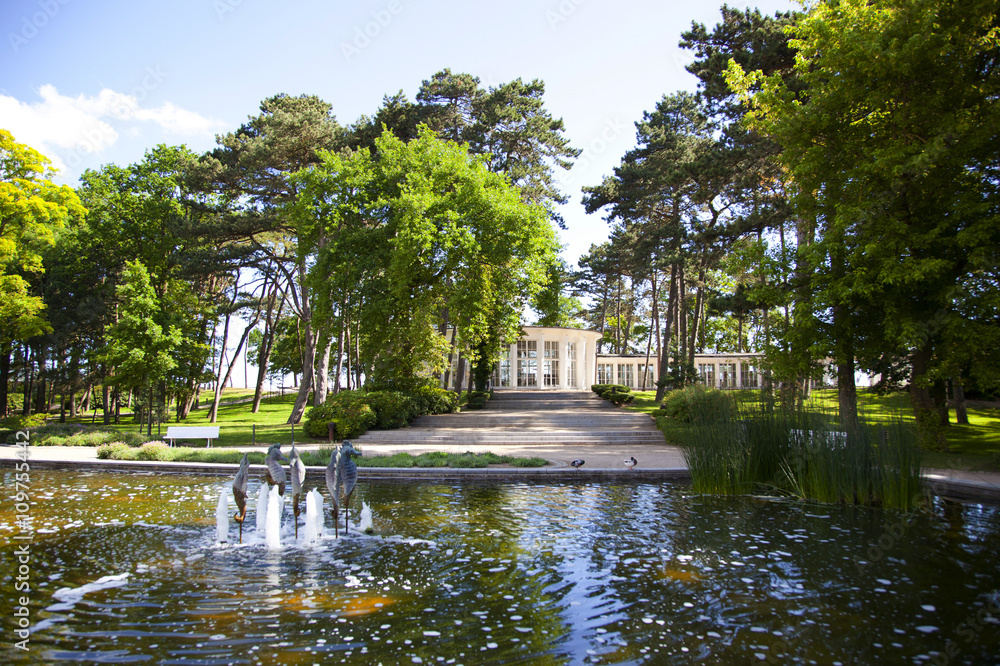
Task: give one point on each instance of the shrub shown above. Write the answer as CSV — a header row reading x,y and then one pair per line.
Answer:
x,y
154,451
393,409
621,398
115,451
353,420
430,400
478,399
697,404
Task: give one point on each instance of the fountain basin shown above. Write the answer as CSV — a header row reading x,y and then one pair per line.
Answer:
x,y
489,573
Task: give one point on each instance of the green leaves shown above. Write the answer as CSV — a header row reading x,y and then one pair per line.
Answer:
x,y
411,230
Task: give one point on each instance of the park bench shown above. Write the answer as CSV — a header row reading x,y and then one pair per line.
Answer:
x,y
192,432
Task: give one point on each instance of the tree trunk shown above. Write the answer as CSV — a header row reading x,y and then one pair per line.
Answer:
x,y
41,398
340,353
927,413
264,352
958,393
652,328
308,359
668,326
214,412
5,354
321,380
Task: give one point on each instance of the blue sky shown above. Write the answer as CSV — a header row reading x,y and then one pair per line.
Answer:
x,y
89,83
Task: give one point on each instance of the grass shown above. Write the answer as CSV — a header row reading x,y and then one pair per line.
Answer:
x,y
971,447
161,452
238,426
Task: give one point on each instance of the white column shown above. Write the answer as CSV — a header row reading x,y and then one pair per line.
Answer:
x,y
540,362
563,360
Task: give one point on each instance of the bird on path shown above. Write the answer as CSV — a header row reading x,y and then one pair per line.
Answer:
x,y
274,471
578,463
240,492
631,462
297,470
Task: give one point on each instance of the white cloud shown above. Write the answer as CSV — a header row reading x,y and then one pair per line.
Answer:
x,y
67,129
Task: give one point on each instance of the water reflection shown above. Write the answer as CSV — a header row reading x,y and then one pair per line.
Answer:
x,y
544,574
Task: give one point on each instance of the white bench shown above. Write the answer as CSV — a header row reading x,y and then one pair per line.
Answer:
x,y
192,432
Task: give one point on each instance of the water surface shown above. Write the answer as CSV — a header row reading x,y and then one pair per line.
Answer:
x,y
126,568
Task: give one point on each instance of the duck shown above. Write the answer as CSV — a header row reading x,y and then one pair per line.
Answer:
x,y
631,462
578,463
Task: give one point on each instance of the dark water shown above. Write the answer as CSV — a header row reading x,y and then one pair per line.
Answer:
x,y
126,568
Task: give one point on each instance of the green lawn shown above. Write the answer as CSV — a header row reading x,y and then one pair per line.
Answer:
x,y
237,424
971,447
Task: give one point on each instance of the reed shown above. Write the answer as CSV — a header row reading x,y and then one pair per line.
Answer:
x,y
803,454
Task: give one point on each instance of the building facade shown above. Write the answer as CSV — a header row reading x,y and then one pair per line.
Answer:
x,y
566,359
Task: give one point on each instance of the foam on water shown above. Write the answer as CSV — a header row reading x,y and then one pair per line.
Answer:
x,y
365,523
70,596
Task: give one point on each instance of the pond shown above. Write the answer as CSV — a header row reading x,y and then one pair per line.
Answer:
x,y
127,568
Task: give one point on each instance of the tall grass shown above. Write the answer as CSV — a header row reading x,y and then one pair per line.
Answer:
x,y
750,448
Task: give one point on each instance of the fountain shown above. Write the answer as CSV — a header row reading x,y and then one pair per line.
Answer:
x,y
314,517
272,520
262,508
365,521
222,517
568,572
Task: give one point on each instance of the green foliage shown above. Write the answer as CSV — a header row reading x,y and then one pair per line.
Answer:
x,y
71,434
115,451
154,451
347,410
393,409
432,400
618,394
477,399
697,404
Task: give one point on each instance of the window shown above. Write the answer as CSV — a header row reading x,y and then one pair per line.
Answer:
x,y
727,375
504,372
527,363
646,375
626,374
571,367
550,364
605,373
748,375
706,373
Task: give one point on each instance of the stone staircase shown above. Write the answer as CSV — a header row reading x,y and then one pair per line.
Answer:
x,y
521,418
